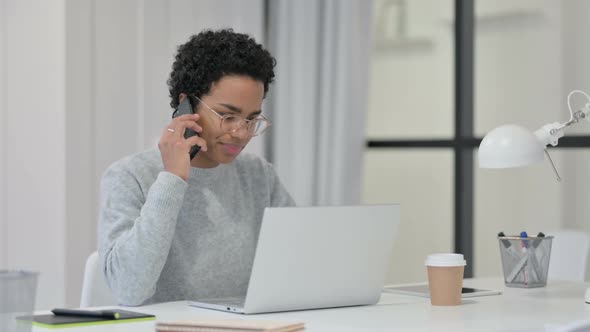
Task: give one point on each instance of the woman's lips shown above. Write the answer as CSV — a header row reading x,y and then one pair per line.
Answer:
x,y
231,148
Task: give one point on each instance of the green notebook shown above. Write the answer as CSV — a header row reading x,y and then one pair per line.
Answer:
x,y
52,321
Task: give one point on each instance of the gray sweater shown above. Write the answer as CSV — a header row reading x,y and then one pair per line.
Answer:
x,y
164,239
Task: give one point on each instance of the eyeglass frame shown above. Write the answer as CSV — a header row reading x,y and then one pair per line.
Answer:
x,y
244,123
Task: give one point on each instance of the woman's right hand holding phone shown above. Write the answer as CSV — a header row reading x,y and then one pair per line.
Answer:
x,y
175,149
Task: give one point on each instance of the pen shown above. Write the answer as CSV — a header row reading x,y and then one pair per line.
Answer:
x,y
524,245
85,313
517,268
508,247
536,267
540,237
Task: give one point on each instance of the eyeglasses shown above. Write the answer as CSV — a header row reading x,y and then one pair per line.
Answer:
x,y
232,123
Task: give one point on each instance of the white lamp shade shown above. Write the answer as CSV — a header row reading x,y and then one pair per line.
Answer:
x,y
510,146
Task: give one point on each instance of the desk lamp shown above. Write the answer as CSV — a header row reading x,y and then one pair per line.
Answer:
x,y
511,145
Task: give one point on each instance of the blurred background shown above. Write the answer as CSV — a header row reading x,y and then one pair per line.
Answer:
x,y
372,104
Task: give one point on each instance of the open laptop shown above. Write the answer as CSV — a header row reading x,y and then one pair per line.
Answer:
x,y
317,257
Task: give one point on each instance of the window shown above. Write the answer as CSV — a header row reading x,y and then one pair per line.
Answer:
x,y
444,73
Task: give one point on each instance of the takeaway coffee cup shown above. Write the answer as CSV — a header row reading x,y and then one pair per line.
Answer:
x,y
445,278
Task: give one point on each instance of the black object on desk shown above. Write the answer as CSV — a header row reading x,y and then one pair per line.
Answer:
x,y
68,318
107,314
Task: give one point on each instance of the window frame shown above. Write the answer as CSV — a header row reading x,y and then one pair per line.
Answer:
x,y
463,143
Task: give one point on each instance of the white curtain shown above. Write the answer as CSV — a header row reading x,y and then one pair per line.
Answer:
x,y
319,101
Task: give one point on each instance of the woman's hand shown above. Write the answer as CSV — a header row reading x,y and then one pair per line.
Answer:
x,y
175,149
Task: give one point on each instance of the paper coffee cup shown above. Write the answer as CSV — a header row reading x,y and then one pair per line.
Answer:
x,y
445,278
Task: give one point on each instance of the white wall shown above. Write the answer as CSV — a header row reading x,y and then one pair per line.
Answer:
x,y
98,70
576,76
33,136
3,223
80,182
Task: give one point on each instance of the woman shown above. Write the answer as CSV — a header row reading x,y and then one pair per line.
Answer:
x,y
172,228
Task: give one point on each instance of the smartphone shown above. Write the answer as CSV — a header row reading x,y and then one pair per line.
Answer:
x,y
423,291
185,107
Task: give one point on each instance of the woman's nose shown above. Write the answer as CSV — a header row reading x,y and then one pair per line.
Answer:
x,y
241,132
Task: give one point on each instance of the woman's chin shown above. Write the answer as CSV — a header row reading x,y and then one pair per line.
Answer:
x,y
226,159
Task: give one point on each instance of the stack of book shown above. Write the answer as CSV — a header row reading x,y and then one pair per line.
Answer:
x,y
227,325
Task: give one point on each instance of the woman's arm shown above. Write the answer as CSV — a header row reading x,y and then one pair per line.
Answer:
x,y
136,231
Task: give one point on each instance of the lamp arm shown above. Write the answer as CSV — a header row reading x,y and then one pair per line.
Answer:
x,y
552,132
549,134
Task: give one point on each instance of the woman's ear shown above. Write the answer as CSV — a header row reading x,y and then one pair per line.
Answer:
x,y
181,97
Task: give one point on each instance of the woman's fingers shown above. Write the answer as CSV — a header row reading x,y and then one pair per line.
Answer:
x,y
196,140
184,117
174,148
188,124
178,127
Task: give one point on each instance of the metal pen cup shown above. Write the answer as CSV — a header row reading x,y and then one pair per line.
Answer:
x,y
525,260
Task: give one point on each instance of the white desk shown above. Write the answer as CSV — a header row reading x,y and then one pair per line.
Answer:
x,y
515,310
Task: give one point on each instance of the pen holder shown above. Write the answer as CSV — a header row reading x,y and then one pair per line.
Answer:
x,y
525,260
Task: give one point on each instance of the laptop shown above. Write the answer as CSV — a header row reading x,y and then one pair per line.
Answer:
x,y
317,257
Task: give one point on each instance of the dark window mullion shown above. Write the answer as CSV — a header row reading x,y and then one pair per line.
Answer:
x,y
466,142
464,46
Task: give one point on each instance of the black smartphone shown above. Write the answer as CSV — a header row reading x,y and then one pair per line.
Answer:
x,y
186,107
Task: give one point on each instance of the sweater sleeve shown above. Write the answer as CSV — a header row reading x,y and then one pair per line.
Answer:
x,y
136,231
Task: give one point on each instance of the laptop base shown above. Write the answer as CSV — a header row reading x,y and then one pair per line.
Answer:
x,y
233,304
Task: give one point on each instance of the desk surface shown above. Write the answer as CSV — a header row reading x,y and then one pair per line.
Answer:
x,y
515,310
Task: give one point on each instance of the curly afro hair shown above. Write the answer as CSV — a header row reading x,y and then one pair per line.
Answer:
x,y
210,55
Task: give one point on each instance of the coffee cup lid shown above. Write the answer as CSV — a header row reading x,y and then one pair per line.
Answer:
x,y
445,260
